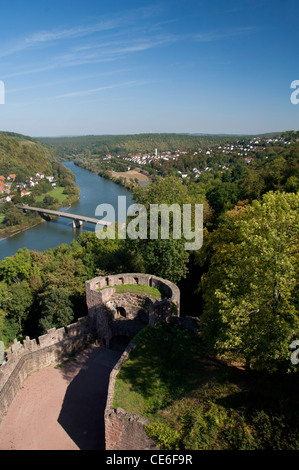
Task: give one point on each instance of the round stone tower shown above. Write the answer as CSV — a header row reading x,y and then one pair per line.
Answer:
x,y
113,313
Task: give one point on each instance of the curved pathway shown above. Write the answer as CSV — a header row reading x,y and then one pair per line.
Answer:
x,y
62,408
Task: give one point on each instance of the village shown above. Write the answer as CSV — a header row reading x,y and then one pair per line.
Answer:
x,y
9,185
146,159
240,149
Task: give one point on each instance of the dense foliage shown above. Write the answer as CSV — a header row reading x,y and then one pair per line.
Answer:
x,y
208,407
250,288
124,144
23,156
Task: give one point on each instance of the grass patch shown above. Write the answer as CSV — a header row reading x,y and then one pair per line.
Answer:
x,y
194,402
71,359
152,292
56,193
152,376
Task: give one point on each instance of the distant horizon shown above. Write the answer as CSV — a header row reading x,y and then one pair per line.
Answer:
x,y
219,134
165,133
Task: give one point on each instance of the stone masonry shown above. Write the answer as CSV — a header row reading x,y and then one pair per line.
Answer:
x,y
124,431
24,359
125,314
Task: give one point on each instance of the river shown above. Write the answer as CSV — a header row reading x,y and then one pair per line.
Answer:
x,y
94,190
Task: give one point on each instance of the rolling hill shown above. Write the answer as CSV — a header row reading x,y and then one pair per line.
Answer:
x,y
23,155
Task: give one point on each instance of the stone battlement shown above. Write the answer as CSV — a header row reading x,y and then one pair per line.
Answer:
x,y
113,314
24,359
170,290
110,314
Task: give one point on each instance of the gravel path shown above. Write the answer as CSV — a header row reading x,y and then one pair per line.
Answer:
x,y
61,408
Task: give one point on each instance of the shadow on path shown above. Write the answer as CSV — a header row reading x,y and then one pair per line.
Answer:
x,y
82,411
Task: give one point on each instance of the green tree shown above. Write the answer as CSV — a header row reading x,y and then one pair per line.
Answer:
x,y
251,185
168,190
13,216
16,268
292,184
250,290
19,303
49,201
165,258
222,197
56,309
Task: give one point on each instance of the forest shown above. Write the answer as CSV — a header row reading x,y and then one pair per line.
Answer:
x,y
124,144
23,156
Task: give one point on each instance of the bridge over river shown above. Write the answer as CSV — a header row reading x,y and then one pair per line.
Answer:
x,y
77,219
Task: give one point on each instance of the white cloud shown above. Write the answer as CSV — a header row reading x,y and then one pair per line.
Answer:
x,y
46,36
217,35
102,88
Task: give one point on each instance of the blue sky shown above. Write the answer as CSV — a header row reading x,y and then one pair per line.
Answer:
x,y
124,67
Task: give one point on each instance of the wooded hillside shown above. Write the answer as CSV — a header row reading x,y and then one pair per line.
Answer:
x,y
23,155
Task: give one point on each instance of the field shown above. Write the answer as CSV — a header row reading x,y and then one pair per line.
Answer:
x,y
56,193
131,175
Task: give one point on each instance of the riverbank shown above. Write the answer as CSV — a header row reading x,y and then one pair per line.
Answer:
x,y
127,179
57,193
15,231
37,236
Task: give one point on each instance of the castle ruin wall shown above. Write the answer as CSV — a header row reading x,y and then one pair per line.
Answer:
x,y
24,359
124,431
105,306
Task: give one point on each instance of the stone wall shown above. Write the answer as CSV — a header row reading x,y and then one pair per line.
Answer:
x,y
105,306
124,431
94,295
24,359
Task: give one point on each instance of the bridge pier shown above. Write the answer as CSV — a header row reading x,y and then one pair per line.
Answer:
x,y
77,223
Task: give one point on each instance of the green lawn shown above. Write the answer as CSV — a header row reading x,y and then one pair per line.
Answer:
x,y
56,193
195,402
152,292
159,370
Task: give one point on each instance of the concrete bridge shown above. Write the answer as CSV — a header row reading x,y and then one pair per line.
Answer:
x,y
77,219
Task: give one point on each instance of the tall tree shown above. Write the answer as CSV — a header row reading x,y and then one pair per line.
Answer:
x,y
250,290
56,309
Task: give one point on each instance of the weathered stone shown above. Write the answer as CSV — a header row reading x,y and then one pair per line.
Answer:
x,y
124,431
24,360
113,314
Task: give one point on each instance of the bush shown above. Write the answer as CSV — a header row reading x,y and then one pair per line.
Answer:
x,y
164,436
